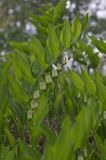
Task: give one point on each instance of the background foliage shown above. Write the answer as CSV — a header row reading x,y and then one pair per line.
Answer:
x,y
15,24
50,109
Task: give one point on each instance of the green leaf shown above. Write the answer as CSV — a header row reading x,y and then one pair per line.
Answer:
x,y
84,123
76,28
38,51
63,144
41,111
26,152
11,155
22,64
5,70
66,35
53,42
100,44
98,141
3,98
89,84
100,88
76,81
59,10
2,124
36,68
16,90
100,145
21,46
51,137
35,133
85,23
19,111
93,57
11,138
62,147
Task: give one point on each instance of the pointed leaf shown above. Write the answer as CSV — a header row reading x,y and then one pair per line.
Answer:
x,y
16,90
66,35
59,10
89,84
76,28
76,81
100,44
21,65
11,138
53,42
41,111
85,22
38,51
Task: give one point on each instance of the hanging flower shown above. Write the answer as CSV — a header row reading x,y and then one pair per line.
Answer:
x,y
59,67
48,79
104,114
54,73
34,104
29,115
42,86
36,94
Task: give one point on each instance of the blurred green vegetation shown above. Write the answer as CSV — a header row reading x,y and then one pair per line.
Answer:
x,y
15,24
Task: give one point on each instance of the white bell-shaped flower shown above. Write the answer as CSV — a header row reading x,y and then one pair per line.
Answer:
x,y
42,86
48,79
36,94
80,158
65,59
29,115
54,73
104,114
34,104
59,67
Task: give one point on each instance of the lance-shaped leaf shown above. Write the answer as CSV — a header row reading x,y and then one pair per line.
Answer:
x,y
2,124
63,144
21,46
93,57
85,23
3,98
76,28
59,10
101,88
53,42
51,137
21,65
38,51
89,84
101,146
66,35
10,137
100,44
84,123
17,91
76,81
41,111
11,155
26,152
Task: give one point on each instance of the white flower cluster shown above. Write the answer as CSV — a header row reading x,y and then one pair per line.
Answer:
x,y
42,87
67,64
